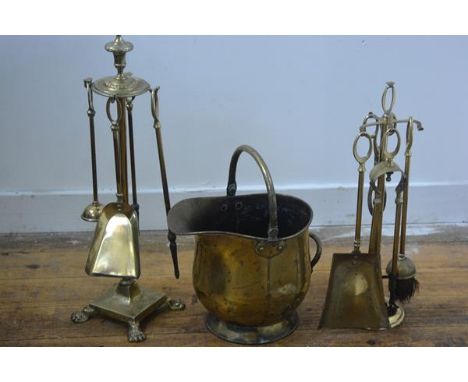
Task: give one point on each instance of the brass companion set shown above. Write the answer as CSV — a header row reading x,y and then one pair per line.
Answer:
x,y
252,263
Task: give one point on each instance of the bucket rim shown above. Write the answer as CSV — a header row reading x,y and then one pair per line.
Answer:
x,y
246,236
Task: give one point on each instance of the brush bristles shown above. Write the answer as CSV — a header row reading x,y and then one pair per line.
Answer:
x,y
405,289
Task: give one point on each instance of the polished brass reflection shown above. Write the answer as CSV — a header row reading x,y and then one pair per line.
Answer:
x,y
252,263
355,296
115,250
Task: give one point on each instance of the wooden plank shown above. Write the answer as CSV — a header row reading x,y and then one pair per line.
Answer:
x,y
69,262
42,281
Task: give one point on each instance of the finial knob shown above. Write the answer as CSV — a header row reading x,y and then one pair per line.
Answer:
x,y
119,48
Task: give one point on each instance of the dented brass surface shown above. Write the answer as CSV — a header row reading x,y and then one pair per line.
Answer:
x,y
252,263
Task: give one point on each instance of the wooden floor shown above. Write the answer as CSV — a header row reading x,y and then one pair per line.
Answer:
x,y
42,280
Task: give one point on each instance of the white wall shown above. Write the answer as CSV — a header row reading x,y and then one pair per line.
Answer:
x,y
297,100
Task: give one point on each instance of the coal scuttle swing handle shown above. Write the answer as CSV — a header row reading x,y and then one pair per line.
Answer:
x,y
232,186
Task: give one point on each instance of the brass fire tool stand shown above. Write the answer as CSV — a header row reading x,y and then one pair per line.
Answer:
x,y
114,250
355,296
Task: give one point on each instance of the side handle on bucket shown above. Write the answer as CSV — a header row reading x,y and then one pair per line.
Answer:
x,y
232,186
318,251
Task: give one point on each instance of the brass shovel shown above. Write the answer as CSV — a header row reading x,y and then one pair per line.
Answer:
x,y
115,247
115,250
355,296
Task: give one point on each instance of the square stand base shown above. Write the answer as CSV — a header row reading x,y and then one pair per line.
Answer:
x,y
134,306
128,303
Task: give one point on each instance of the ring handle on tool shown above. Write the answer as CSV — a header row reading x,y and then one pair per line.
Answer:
x,y
390,86
389,155
365,125
114,122
232,186
318,251
374,136
369,115
362,159
370,198
117,152
384,167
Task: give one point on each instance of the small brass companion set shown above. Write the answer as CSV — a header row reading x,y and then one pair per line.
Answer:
x,y
252,264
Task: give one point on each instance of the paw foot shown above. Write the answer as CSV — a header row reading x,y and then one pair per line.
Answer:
x,y
134,332
176,304
82,315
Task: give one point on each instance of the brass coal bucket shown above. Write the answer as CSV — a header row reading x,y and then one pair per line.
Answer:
x,y
252,263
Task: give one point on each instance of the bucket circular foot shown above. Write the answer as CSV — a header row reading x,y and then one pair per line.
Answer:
x,y
251,335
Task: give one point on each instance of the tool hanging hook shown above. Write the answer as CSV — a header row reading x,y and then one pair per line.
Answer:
x,y
114,122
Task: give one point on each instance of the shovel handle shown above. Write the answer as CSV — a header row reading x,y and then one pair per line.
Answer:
x,y
318,251
362,168
232,186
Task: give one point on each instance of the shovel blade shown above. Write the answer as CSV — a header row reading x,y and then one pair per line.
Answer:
x,y
355,298
114,250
